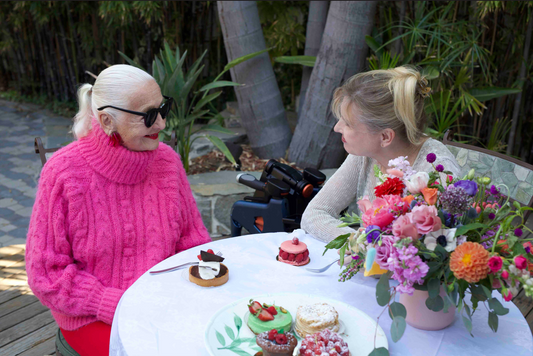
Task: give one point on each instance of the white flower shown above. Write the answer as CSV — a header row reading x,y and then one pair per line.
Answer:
x,y
448,241
513,269
417,182
530,282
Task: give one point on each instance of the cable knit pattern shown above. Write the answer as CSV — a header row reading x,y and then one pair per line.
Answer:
x,y
102,217
355,179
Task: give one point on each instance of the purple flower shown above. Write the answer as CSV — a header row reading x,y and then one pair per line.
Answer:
x,y
455,201
439,168
493,190
469,186
492,216
431,157
518,232
374,235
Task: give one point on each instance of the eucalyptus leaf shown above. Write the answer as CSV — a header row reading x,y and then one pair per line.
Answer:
x,y
397,309
433,288
497,307
397,328
382,290
493,321
468,324
435,304
379,352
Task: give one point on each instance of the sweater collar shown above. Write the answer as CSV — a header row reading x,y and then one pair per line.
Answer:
x,y
115,163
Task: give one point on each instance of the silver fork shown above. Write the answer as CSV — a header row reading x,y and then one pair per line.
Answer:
x,y
323,269
175,268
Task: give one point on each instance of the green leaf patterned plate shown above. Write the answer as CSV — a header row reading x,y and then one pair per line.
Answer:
x,y
227,334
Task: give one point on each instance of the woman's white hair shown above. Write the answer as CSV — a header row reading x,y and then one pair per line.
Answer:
x,y
113,86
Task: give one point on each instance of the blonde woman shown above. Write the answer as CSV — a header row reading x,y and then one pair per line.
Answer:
x,y
380,117
109,206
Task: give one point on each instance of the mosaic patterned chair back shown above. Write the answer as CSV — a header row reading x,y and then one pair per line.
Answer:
x,y
501,169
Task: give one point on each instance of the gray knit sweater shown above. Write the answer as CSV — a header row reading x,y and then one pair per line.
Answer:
x,y
352,181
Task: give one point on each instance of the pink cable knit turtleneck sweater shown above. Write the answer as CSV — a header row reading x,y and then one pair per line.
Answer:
x,y
103,216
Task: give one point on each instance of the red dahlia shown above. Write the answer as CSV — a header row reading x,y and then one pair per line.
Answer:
x,y
392,186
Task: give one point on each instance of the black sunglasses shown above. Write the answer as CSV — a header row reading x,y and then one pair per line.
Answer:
x,y
151,115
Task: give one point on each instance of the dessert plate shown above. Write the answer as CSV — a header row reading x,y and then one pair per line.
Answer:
x,y
227,334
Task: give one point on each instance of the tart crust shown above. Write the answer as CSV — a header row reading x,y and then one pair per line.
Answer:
x,y
219,280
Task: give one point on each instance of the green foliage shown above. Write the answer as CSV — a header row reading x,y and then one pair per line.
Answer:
x,y
168,71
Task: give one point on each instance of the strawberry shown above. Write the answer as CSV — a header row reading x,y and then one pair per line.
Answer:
x,y
210,251
281,339
199,257
306,254
265,316
299,258
272,310
272,334
295,241
254,307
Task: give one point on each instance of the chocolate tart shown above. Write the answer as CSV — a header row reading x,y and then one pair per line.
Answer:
x,y
271,348
220,279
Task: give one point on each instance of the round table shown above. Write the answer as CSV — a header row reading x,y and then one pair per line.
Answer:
x,y
167,315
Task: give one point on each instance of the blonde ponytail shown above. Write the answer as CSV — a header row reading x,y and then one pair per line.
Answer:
x,y
82,120
390,98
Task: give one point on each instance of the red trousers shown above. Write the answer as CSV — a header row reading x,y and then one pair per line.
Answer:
x,y
90,340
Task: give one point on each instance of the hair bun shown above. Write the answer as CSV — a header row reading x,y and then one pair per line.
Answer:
x,y
422,87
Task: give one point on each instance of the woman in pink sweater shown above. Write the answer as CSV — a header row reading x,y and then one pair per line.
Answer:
x,y
109,206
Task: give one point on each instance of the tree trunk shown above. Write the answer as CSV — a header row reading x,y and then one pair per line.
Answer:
x,y
318,13
521,77
342,54
260,104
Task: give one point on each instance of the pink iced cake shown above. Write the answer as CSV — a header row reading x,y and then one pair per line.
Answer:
x,y
294,252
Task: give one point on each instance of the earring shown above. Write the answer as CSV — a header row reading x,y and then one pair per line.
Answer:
x,y
114,139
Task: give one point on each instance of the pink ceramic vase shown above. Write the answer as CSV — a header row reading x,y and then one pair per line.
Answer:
x,y
420,317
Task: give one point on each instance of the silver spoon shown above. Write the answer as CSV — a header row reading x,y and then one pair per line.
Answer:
x,y
323,269
175,268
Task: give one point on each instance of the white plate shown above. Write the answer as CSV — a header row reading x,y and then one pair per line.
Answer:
x,y
227,334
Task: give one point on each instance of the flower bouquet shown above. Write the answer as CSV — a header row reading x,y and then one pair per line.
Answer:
x,y
432,232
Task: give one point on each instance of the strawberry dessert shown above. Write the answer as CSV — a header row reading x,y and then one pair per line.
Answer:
x,y
276,343
325,342
294,252
264,317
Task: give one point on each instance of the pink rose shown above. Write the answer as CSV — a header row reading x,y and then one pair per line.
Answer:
x,y
507,295
426,219
378,214
404,227
520,262
364,204
505,274
383,252
396,204
495,263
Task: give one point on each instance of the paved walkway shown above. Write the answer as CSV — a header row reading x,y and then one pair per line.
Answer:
x,y
20,166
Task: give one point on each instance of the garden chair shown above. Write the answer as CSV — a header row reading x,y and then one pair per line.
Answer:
x,y
42,151
515,174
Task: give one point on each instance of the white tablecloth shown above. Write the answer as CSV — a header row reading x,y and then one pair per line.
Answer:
x,y
167,315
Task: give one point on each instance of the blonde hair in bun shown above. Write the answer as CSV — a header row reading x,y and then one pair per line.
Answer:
x,y
387,98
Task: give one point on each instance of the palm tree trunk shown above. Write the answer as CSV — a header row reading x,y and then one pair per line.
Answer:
x,y
318,13
262,112
521,77
342,54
